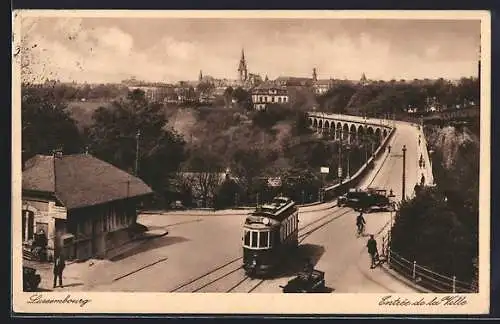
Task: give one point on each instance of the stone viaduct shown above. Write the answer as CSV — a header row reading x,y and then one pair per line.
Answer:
x,y
349,128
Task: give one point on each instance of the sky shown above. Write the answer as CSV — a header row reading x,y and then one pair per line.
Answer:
x,y
171,49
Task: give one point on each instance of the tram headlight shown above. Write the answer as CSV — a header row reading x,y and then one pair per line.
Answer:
x,y
266,221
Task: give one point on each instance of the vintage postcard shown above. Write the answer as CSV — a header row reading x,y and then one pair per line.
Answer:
x,y
251,162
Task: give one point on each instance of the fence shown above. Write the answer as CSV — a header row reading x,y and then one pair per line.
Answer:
x,y
336,190
422,276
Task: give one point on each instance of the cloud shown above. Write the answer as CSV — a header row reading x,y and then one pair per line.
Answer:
x,y
107,51
114,39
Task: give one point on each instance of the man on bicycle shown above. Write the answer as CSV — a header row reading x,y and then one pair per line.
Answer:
x,y
360,222
372,250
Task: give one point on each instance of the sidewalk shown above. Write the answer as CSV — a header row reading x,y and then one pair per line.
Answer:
x,y
383,276
359,278
427,170
81,276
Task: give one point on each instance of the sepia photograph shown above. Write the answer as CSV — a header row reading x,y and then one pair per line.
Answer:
x,y
229,161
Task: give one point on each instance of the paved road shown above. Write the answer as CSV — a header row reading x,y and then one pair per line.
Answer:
x,y
199,243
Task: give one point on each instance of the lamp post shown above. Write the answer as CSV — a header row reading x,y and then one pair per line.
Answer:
x,y
403,197
340,162
391,195
431,151
137,136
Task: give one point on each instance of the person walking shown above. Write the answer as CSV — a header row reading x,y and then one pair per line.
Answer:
x,y
372,250
360,223
59,265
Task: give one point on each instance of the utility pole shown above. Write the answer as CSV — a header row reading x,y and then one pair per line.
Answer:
x,y
340,162
348,158
404,174
137,136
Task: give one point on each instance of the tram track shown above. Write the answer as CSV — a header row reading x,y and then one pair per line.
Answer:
x,y
216,275
246,284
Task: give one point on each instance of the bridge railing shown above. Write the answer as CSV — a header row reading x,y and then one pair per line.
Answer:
x,y
339,189
423,276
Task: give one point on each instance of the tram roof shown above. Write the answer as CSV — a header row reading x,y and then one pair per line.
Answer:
x,y
275,208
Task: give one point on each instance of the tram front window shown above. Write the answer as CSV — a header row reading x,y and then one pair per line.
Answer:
x,y
254,239
247,238
263,239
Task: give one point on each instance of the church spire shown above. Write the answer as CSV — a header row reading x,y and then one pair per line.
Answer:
x,y
242,68
314,75
200,77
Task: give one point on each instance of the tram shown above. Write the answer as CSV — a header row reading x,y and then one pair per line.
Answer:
x,y
270,234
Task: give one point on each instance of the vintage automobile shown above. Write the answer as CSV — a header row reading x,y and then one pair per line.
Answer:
x,y
366,200
177,205
31,279
303,283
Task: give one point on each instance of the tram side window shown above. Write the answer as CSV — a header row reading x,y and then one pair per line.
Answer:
x,y
263,239
247,238
254,238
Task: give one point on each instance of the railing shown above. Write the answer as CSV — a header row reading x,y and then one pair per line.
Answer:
x,y
339,189
423,276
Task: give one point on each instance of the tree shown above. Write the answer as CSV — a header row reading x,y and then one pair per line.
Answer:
x,y
243,98
47,124
205,177
427,230
113,137
226,193
301,124
248,163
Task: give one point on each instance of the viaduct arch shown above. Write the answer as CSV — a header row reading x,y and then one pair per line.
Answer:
x,y
349,128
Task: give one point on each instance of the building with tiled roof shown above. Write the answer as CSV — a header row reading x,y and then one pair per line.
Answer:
x,y
322,86
269,93
84,205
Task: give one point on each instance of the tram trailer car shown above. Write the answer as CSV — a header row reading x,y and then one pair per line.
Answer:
x,y
270,234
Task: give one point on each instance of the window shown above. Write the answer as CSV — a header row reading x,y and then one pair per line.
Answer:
x,y
272,99
246,241
254,241
263,239
279,99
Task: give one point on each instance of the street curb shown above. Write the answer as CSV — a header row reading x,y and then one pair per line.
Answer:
x,y
146,237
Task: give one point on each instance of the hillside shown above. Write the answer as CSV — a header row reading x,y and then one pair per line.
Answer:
x,y
439,227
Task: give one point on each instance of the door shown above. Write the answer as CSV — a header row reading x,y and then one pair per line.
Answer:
x,y
31,223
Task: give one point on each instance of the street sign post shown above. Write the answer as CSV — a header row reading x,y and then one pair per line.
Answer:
x,y
323,170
